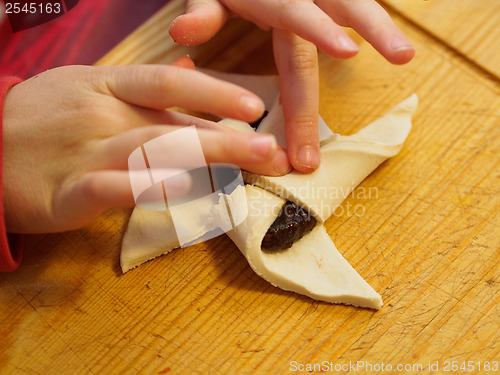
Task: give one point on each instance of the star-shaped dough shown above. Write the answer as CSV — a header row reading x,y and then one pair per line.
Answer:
x,y
312,266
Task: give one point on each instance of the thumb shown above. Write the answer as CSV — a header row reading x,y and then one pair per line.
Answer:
x,y
202,20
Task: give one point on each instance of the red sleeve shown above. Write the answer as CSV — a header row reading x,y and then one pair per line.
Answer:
x,y
10,244
81,36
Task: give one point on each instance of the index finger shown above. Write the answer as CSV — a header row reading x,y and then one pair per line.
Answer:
x,y
297,64
164,86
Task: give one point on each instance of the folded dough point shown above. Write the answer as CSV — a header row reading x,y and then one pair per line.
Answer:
x,y
345,162
312,266
149,234
392,129
323,190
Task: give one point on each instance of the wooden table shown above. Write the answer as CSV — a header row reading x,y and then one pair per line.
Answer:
x,y
428,240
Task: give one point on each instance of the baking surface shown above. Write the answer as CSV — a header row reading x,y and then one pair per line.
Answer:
x,y
423,230
468,26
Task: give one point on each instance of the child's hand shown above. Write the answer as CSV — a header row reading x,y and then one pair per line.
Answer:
x,y
68,133
317,21
296,24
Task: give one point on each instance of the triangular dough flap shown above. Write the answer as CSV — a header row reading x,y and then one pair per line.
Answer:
x,y
149,234
345,162
312,266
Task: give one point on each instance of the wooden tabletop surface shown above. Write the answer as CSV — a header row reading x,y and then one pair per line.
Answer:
x,y
428,239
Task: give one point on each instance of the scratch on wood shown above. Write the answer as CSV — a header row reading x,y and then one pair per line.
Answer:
x,y
491,282
252,351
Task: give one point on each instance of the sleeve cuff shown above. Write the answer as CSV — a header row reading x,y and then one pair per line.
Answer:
x,y
10,244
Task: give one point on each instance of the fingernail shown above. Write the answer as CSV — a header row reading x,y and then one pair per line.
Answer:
x,y
400,44
175,20
263,145
282,165
347,44
308,157
251,107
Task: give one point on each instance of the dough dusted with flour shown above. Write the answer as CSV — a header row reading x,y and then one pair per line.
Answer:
x,y
345,162
312,266
149,234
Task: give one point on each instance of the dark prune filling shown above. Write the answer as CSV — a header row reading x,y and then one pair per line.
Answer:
x,y
291,225
256,124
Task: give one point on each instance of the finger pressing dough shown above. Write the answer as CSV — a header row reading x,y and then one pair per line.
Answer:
x,y
312,266
345,162
150,233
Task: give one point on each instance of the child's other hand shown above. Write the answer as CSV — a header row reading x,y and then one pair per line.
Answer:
x,y
319,21
298,26
68,133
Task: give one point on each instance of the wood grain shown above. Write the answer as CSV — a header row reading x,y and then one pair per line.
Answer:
x,y
428,240
468,27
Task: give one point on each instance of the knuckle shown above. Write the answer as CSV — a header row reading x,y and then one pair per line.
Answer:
x,y
226,147
305,120
303,60
223,148
343,8
154,133
288,10
291,3
90,187
306,124
158,78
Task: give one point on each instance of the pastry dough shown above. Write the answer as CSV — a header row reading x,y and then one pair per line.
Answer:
x,y
312,266
274,123
345,162
149,234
